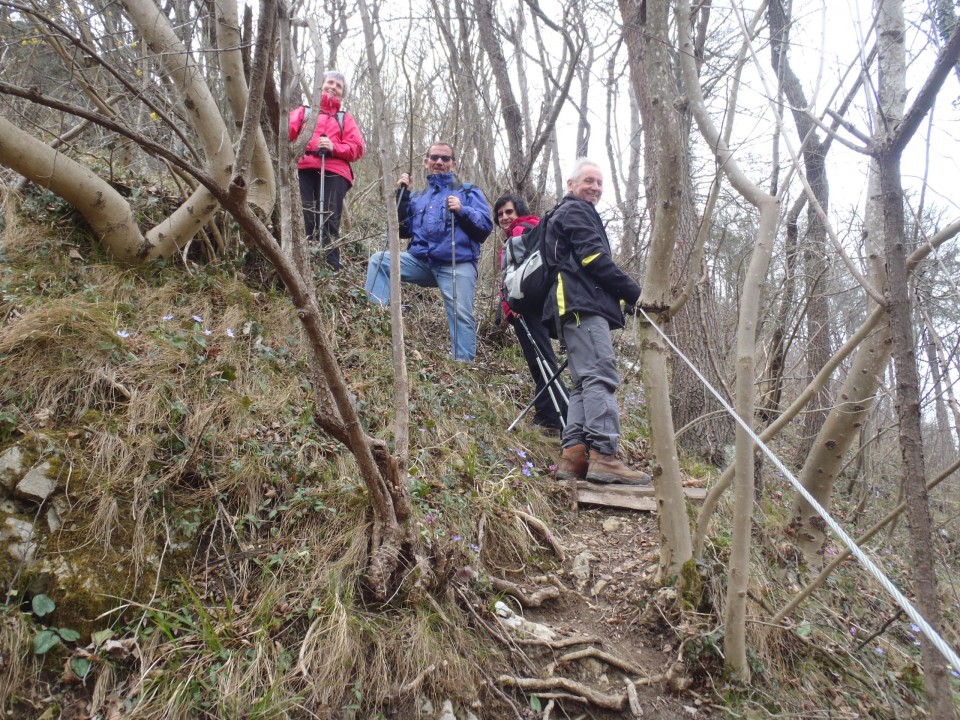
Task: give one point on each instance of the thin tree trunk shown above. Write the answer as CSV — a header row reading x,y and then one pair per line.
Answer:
x,y
768,207
651,71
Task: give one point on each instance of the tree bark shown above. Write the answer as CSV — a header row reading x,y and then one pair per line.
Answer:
x,y
768,208
646,34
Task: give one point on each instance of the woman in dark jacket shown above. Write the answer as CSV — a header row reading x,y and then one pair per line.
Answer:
x,y
550,409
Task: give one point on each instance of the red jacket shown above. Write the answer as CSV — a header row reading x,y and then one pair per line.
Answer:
x,y
516,228
348,143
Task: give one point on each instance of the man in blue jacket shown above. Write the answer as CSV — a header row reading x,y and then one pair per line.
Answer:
x,y
589,298
446,223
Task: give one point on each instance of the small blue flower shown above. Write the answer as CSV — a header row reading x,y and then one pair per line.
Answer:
x,y
526,471
915,627
208,332
522,453
123,333
955,673
230,333
879,650
197,318
457,538
169,316
475,548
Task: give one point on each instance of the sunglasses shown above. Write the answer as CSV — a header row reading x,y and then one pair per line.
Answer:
x,y
444,158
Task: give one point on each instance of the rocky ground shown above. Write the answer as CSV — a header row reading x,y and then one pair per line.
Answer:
x,y
610,559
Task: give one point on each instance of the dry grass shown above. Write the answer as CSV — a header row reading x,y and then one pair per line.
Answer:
x,y
196,467
19,667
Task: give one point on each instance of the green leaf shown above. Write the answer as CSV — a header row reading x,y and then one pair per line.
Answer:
x,y
81,666
45,640
101,636
804,629
42,605
535,704
68,635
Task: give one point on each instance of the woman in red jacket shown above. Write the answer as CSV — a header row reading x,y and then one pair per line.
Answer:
x,y
336,142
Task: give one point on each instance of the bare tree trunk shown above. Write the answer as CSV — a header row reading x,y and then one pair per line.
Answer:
x,y
263,191
898,297
855,399
813,151
387,163
768,207
646,35
509,109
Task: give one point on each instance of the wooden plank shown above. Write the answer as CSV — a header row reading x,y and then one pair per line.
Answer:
x,y
629,497
609,496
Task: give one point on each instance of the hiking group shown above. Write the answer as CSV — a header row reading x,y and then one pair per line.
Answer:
x,y
570,289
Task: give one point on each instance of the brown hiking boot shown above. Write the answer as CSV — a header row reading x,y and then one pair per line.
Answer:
x,y
573,463
609,469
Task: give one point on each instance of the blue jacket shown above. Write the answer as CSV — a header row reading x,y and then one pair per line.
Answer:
x,y
424,219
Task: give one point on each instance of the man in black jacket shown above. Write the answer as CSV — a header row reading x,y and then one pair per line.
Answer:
x,y
590,295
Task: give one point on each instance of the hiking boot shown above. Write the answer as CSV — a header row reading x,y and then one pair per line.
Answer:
x,y
573,463
609,470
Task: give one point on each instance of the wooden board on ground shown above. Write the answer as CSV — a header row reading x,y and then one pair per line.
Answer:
x,y
627,496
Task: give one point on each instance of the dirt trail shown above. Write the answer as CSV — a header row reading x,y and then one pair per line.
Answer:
x,y
622,548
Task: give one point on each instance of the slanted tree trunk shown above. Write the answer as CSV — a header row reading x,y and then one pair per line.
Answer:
x,y
264,191
108,213
509,108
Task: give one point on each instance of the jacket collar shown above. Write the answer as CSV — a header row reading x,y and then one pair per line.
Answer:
x,y
523,220
440,180
329,104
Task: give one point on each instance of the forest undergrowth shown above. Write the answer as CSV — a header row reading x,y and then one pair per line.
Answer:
x,y
210,558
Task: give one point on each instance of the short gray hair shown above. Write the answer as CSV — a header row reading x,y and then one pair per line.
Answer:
x,y
578,166
336,75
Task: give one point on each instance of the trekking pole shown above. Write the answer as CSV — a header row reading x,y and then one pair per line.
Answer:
x,y
323,195
536,397
456,307
542,364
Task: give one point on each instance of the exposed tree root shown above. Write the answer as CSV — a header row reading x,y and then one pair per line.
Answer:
x,y
586,693
612,660
527,600
547,534
564,642
411,686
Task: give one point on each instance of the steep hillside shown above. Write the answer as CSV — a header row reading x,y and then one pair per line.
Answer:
x,y
180,540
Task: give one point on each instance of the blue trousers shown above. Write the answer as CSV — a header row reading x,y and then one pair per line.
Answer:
x,y
418,272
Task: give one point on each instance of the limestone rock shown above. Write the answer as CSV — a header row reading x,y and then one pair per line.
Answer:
x,y
521,626
38,484
612,524
18,536
581,569
446,711
11,466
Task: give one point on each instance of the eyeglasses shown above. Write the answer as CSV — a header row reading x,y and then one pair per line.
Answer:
x,y
444,158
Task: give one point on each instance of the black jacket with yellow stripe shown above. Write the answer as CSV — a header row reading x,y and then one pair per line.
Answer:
x,y
587,279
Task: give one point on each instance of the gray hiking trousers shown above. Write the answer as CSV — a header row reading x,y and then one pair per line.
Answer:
x,y
593,416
